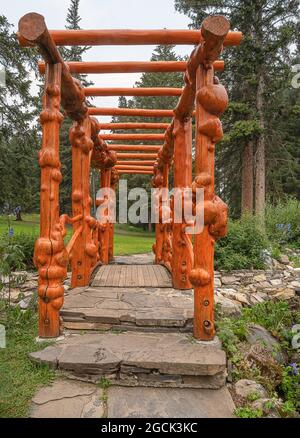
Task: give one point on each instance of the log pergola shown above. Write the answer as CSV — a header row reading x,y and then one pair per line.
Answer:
x,y
190,261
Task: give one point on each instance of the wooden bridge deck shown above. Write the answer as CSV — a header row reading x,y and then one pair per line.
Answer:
x,y
132,276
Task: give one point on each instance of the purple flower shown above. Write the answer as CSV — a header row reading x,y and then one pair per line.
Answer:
x,y
294,369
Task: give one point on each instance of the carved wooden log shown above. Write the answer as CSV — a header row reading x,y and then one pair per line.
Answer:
x,y
136,156
132,91
102,157
135,172
137,147
50,256
126,37
125,126
33,31
211,102
134,137
84,252
128,67
114,179
163,228
132,112
183,256
104,225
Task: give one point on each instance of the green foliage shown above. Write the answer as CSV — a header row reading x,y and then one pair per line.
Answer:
x,y
248,412
283,222
274,316
242,247
269,49
20,378
26,242
291,387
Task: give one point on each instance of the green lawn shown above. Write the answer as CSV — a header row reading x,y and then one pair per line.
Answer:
x,y
131,240
20,378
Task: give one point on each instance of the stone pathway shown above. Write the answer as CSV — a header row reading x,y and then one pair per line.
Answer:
x,y
72,399
138,359
125,308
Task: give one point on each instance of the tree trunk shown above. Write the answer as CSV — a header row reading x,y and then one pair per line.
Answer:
x,y
247,180
260,162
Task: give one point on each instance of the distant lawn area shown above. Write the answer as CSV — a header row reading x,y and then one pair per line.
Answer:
x,y
131,240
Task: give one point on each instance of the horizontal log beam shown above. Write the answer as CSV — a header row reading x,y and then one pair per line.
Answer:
x,y
143,137
131,112
132,91
128,67
135,172
136,163
147,168
138,147
136,156
127,126
131,37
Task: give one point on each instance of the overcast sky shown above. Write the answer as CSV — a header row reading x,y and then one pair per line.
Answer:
x,y
107,14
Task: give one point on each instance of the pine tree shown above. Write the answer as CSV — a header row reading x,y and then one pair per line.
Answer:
x,y
255,74
19,173
73,53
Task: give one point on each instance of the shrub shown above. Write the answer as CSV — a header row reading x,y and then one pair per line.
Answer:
x,y
283,222
243,246
24,243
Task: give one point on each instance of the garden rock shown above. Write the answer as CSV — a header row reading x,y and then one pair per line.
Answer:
x,y
259,335
284,259
245,388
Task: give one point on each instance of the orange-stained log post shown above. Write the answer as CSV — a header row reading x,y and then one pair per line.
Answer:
x,y
211,102
84,252
183,257
104,226
114,179
50,256
163,228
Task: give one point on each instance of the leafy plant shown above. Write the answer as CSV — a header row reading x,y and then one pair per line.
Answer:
x,y
243,246
282,222
248,412
291,386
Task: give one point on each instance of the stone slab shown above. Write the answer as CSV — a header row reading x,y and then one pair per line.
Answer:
x,y
136,355
68,399
169,403
129,308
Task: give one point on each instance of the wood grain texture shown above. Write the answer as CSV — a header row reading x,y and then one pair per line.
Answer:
x,y
123,276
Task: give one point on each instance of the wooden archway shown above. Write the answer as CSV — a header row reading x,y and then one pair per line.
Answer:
x,y
190,262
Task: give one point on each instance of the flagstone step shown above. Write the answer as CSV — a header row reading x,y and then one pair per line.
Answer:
x,y
74,399
128,308
138,359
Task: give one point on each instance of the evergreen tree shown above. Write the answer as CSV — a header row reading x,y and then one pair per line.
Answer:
x,y
18,131
255,75
73,53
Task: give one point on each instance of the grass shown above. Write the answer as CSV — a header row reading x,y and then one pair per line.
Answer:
x,y
20,378
131,240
